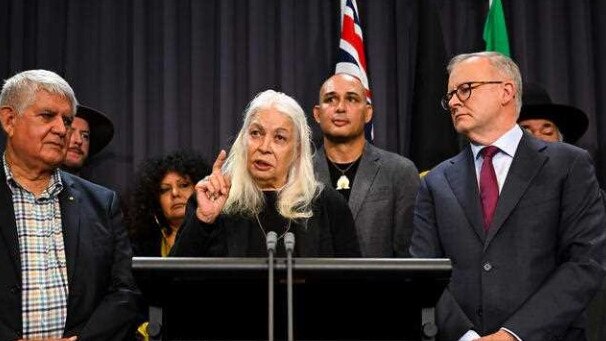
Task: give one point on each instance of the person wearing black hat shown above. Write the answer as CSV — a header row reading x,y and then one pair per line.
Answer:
x,y
552,123
91,132
548,121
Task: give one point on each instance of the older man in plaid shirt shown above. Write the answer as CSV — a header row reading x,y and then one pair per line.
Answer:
x,y
64,253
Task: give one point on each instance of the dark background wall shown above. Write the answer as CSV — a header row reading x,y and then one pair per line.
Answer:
x,y
178,73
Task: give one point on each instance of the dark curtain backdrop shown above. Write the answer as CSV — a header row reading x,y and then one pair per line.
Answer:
x,y
179,73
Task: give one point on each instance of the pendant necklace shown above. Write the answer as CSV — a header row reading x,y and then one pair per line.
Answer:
x,y
265,233
343,181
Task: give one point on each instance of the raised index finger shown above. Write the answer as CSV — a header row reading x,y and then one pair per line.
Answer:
x,y
219,161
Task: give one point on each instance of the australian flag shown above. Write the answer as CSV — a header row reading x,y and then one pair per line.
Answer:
x,y
352,59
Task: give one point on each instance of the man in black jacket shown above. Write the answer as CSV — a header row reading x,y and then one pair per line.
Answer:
x,y
65,258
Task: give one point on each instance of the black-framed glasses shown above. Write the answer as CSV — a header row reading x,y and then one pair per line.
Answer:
x,y
463,92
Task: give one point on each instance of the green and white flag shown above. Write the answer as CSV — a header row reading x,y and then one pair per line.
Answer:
x,y
495,29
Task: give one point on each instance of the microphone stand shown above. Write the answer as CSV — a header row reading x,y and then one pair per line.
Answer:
x,y
289,244
271,241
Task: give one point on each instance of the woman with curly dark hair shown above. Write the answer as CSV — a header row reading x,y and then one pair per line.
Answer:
x,y
157,205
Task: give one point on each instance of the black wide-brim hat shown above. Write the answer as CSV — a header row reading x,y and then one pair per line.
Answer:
x,y
101,128
536,104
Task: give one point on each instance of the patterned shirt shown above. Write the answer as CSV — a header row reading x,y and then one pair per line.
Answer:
x,y
43,265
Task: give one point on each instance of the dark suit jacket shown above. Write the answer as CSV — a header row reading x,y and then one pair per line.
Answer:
x,y
541,261
328,233
102,298
381,200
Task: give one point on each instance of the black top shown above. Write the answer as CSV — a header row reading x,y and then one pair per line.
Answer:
x,y
347,169
270,220
149,245
330,232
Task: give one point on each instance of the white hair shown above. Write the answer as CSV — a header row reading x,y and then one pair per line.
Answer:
x,y
19,91
503,64
295,198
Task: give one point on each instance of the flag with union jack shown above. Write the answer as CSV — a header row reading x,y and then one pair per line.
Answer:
x,y
352,59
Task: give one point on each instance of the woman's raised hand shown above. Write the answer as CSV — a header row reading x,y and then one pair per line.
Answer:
x,y
212,192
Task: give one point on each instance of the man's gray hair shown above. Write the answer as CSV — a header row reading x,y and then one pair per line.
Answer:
x,y
20,90
503,64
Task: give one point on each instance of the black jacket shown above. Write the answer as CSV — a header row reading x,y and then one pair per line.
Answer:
x,y
330,232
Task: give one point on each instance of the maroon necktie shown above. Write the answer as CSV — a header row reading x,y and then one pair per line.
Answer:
x,y
489,187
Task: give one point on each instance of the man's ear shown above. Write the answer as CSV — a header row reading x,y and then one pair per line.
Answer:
x,y
317,113
8,116
509,92
368,113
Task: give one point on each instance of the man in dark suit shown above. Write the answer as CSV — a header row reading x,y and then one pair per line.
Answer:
x,y
380,186
521,219
65,258
553,122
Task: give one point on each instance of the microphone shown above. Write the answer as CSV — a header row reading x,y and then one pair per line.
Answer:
x,y
271,240
289,244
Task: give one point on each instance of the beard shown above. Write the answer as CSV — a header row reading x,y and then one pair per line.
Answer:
x,y
73,167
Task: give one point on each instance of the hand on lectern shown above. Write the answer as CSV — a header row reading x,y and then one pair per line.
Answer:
x,y
212,192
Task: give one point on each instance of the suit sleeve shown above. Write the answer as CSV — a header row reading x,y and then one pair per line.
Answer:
x,y
565,294
451,320
406,187
114,318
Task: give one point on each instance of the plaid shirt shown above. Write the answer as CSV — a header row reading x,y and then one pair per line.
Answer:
x,y
43,265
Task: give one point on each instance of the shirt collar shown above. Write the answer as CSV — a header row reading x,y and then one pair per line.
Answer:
x,y
9,176
55,185
507,143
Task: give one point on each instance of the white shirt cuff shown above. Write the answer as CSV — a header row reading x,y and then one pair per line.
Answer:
x,y
470,336
512,333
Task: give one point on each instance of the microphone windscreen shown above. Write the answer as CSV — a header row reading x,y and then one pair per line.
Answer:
x,y
272,240
289,241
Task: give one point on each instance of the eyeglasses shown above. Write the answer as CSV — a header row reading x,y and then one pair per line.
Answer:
x,y
463,92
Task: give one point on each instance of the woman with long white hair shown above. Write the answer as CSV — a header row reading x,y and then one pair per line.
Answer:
x,y
267,183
